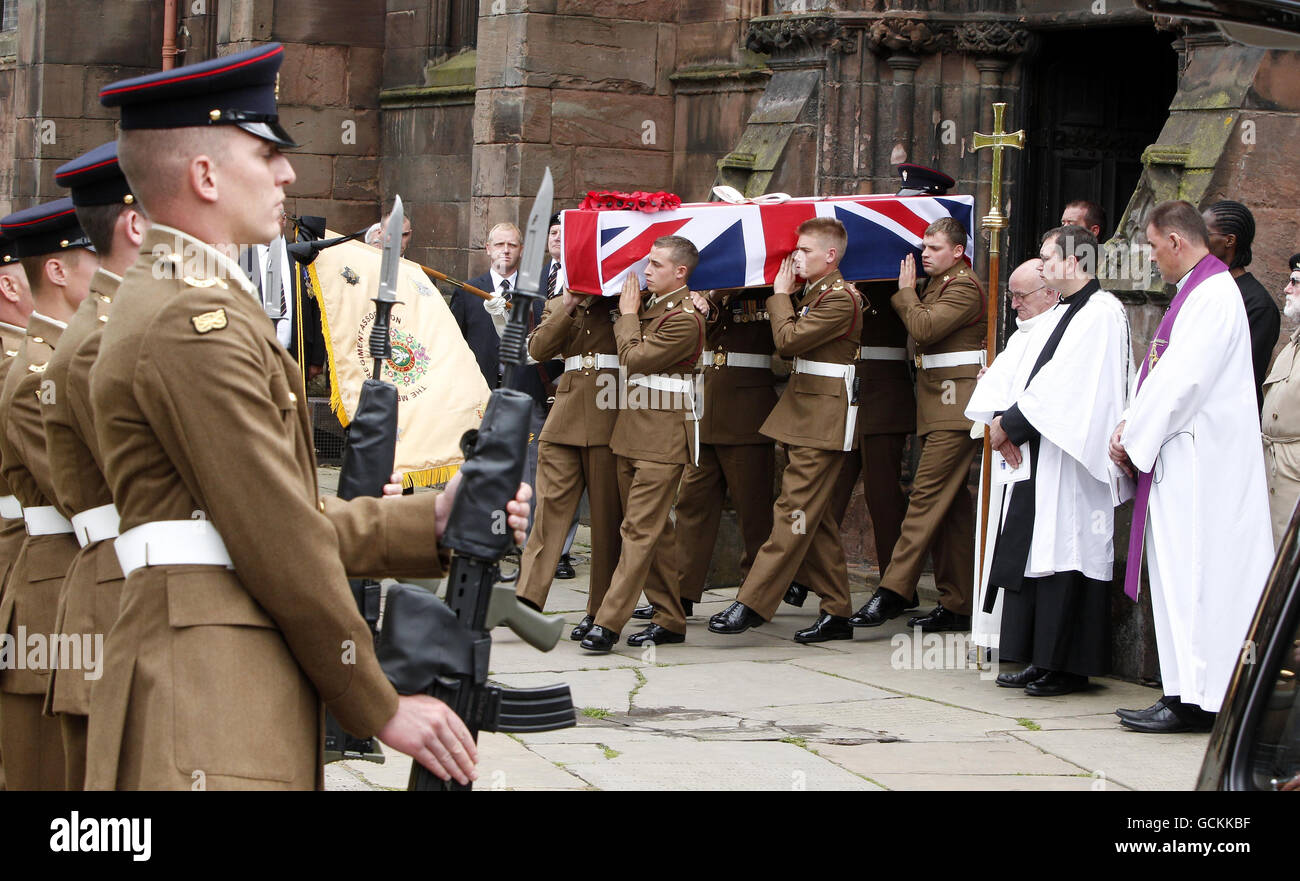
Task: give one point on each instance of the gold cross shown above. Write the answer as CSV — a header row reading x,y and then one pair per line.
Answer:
x,y
997,142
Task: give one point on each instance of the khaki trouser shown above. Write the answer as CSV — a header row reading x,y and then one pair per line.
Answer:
x,y
646,557
74,728
1282,468
562,474
31,742
804,534
745,472
940,519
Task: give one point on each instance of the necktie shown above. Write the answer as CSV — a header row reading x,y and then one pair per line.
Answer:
x,y
550,283
505,289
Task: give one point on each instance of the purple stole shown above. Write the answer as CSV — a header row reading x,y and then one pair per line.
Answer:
x,y
1208,266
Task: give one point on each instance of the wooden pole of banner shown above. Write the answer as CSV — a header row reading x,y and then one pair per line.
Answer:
x,y
995,221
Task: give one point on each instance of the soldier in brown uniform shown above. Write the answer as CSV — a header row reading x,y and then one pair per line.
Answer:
x,y
735,457
15,307
886,416
236,621
947,322
573,450
59,264
93,587
814,418
655,437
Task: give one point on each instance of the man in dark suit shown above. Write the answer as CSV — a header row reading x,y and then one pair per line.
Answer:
x,y
1232,232
481,323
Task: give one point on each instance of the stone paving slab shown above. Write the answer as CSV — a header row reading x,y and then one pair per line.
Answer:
x,y
676,764
889,718
995,756
1131,759
740,685
1001,783
596,689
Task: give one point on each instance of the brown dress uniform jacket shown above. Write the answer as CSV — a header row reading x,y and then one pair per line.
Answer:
x,y
815,416
575,419
667,338
215,677
737,400
886,397
948,316
32,594
92,589
12,530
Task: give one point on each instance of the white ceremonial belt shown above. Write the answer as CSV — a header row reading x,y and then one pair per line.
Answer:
x,y
171,543
950,359
661,383
11,508
848,372
714,358
96,524
591,362
46,520
882,353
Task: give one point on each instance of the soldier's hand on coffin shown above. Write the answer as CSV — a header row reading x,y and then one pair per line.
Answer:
x,y
570,301
907,273
786,282
516,510
702,302
429,731
629,299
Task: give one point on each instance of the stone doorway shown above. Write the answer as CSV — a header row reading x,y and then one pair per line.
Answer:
x,y
1094,100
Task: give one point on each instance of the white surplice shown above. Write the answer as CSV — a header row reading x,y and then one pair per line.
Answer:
x,y
996,391
1209,542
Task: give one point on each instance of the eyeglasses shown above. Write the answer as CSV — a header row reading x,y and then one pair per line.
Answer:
x,y
1015,296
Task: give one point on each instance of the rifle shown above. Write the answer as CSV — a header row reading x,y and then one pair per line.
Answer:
x,y
443,649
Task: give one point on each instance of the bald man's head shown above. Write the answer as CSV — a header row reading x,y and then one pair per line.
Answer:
x,y
1029,295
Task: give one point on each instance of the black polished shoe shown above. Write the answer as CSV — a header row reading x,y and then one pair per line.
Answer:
x,y
795,594
828,627
655,635
643,613
736,618
883,606
1171,719
564,569
1021,679
940,619
1150,711
599,640
581,630
1056,682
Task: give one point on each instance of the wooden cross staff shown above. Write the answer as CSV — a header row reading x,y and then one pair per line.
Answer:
x,y
995,221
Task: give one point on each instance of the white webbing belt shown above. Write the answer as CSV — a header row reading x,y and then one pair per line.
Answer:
x,y
96,524
591,362
677,385
882,353
952,359
736,359
171,543
11,508
46,520
847,371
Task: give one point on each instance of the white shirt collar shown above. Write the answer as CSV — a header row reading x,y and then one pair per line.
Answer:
x,y
496,280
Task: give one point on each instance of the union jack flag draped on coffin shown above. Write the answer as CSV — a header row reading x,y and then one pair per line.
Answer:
x,y
743,245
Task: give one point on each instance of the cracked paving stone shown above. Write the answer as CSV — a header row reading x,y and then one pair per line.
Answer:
x,y
1130,758
742,685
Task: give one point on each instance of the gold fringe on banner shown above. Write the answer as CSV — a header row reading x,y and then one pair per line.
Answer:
x,y
336,398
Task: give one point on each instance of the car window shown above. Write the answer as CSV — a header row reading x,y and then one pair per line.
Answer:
x,y
1275,758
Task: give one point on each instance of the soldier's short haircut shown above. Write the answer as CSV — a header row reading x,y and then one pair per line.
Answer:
x,y
34,266
1093,214
1073,241
98,223
681,250
1178,216
828,229
951,229
154,160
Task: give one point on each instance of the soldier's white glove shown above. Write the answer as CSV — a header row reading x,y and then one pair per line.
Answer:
x,y
499,311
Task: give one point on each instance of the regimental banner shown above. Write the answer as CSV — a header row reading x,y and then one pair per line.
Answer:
x,y
743,245
441,392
